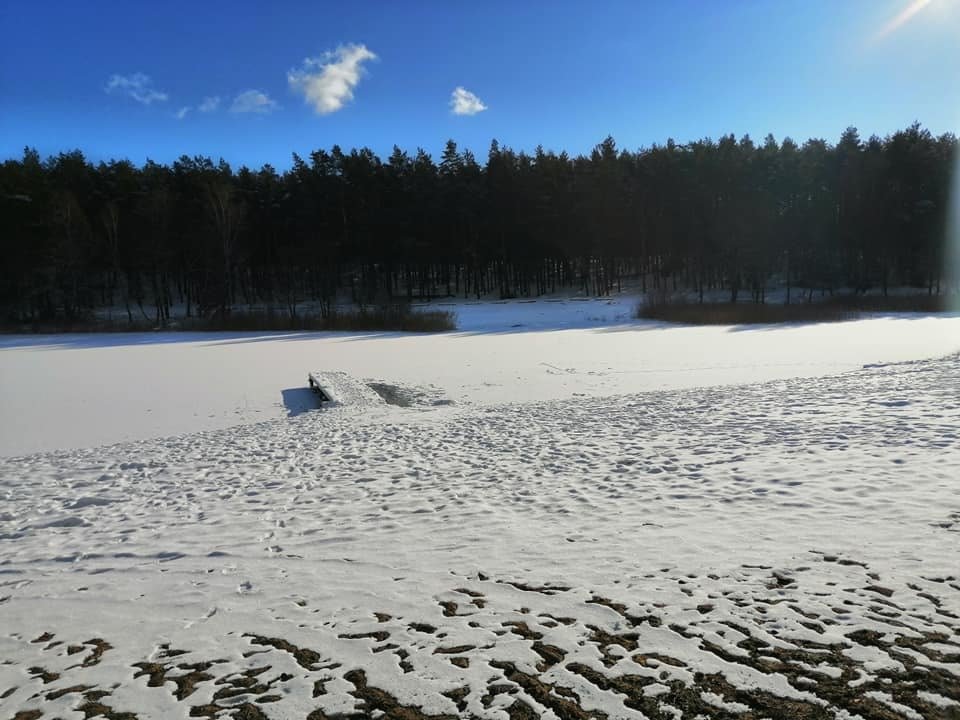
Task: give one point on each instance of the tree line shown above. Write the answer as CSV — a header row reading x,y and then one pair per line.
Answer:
x,y
728,215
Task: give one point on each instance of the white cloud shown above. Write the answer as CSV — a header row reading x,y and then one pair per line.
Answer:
x,y
137,86
253,101
209,104
464,102
182,113
327,82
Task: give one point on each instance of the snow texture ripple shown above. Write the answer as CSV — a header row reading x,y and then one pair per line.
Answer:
x,y
783,549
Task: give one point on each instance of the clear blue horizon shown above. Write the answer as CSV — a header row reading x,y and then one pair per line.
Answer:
x,y
137,80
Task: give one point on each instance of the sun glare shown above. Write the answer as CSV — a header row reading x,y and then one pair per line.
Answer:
x,y
902,18
952,241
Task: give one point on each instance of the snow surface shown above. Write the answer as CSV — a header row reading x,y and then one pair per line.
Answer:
x,y
785,546
73,391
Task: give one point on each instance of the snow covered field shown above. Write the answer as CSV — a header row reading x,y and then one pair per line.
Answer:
x,y
564,524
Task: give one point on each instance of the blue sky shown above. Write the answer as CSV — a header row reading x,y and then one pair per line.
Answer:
x,y
111,78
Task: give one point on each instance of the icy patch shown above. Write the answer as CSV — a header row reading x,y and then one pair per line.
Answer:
x,y
409,396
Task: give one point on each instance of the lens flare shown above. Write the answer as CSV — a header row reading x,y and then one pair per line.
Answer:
x,y
901,19
952,240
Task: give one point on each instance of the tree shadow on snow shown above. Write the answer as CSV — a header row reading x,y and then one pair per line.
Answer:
x,y
924,315
299,400
79,341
